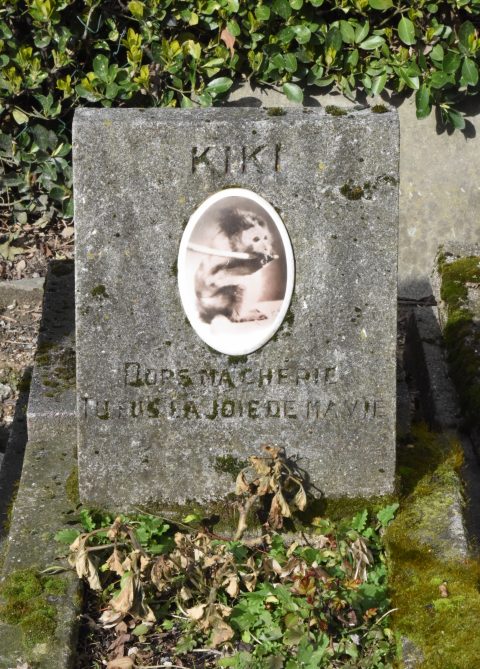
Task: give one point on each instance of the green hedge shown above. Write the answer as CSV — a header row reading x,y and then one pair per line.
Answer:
x,y
57,54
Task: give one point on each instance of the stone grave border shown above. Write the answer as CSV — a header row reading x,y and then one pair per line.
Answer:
x,y
42,501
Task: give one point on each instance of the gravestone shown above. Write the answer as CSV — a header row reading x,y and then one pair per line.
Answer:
x,y
160,404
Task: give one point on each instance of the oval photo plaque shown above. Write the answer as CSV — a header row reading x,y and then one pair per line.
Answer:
x,y
235,271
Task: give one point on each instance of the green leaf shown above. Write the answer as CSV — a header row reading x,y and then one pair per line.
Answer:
x,y
359,521
100,67
438,79
361,32
372,42
347,31
466,35
262,13
451,62
67,536
233,28
290,62
293,92
423,107
141,630
42,40
136,8
282,8
437,53
412,81
406,31
296,4
19,116
387,514
380,4
302,34
219,85
378,84
456,119
469,72
186,103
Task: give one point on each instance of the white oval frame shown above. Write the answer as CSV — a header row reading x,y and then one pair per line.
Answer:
x,y
245,344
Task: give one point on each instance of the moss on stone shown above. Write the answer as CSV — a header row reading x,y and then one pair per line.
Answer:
x,y
339,509
71,487
335,111
26,600
352,191
276,111
461,334
379,109
58,367
99,292
237,359
418,545
229,464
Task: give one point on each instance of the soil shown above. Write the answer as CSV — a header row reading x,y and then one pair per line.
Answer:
x,y
36,247
97,645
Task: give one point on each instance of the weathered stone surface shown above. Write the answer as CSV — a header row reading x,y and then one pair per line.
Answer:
x,y
52,396
154,402
44,497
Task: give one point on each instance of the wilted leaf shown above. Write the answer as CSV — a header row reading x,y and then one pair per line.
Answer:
x,y
84,566
300,499
196,612
260,465
273,451
227,37
130,600
123,602
232,585
117,647
121,663
114,563
241,484
222,632
113,532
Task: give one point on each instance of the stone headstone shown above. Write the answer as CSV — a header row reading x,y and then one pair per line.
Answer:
x,y
158,408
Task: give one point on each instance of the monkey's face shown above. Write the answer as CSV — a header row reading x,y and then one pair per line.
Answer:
x,y
255,239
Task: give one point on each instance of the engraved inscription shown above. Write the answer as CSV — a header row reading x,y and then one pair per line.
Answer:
x,y
137,375
361,409
236,159
210,394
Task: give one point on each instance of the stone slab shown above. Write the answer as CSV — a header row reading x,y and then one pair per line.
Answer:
x,y
37,504
146,382
52,391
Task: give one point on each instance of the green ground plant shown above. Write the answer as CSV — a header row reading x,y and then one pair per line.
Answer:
x,y
58,54
249,602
